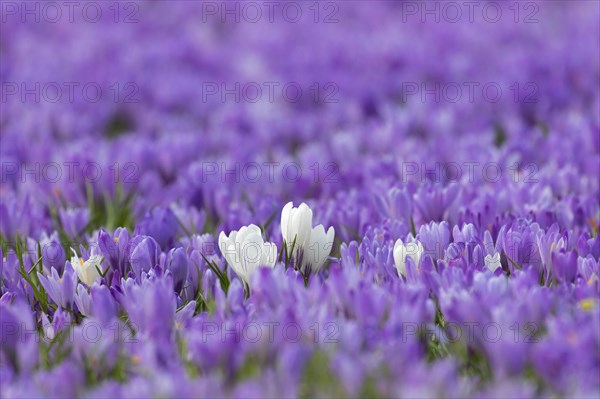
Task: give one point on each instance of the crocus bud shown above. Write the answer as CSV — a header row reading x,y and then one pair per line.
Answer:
x,y
564,265
53,254
74,220
162,225
435,237
177,263
478,255
412,249
108,248
208,284
144,255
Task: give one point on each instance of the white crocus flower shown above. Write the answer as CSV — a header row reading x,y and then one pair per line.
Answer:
x,y
245,251
87,271
492,262
401,251
312,245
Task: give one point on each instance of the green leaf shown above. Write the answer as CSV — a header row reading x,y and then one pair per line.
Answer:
x,y
513,262
264,226
220,275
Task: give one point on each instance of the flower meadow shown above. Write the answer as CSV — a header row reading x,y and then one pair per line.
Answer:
x,y
300,199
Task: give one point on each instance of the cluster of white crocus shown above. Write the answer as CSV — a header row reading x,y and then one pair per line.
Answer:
x,y
245,250
414,250
88,271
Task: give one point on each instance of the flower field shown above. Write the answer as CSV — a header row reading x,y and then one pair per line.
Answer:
x,y
300,199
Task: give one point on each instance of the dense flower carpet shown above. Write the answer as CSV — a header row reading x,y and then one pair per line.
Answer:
x,y
300,199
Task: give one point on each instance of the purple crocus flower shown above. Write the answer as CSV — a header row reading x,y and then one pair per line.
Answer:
x,y
144,255
103,305
161,224
114,248
83,300
434,202
177,263
60,321
74,220
53,253
434,237
61,289
564,265
500,298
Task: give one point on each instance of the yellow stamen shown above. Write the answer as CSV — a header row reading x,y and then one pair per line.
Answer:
x,y
135,359
587,304
116,239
